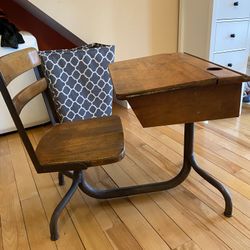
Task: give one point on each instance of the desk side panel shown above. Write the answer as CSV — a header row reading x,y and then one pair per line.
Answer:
x,y
188,105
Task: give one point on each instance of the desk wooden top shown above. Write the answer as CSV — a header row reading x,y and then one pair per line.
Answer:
x,y
167,72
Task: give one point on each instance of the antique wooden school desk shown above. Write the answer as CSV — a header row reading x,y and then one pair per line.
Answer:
x,y
178,88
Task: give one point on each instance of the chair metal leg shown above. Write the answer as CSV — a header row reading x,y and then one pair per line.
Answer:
x,y
61,179
54,218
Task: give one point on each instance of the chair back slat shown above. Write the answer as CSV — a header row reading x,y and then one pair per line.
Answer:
x,y
31,91
13,65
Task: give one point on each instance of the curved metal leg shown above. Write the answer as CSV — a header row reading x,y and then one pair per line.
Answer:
x,y
188,162
227,197
137,189
61,179
146,188
189,134
54,218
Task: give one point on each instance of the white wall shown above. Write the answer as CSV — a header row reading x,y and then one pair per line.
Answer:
x,y
137,27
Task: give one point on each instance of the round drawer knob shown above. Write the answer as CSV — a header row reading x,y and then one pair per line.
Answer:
x,y
230,65
236,3
232,35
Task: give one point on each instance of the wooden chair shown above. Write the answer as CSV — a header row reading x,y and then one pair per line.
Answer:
x,y
66,148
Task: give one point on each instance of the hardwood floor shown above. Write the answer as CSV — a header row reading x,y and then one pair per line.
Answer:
x,y
187,217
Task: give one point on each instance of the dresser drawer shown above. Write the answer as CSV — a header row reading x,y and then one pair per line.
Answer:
x,y
231,35
236,60
227,9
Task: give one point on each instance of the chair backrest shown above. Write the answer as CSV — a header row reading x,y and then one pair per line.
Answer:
x,y
11,66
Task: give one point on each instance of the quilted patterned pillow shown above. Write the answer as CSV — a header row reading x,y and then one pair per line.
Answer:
x,y
79,81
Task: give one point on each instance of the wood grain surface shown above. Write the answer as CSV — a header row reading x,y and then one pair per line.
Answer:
x,y
13,65
85,143
187,105
177,88
27,94
166,72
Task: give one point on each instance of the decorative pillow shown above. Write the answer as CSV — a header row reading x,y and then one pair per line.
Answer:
x,y
79,81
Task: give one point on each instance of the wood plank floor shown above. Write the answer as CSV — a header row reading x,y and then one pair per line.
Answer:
x,y
187,217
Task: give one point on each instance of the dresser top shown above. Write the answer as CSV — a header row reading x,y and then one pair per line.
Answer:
x,y
167,72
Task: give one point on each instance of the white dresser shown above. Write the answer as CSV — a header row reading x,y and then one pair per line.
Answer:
x,y
217,30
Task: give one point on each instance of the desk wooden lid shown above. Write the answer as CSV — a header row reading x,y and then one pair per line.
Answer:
x,y
167,72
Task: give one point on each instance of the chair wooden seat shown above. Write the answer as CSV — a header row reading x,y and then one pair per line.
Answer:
x,y
81,144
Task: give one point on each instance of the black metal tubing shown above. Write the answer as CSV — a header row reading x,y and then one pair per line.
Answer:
x,y
189,161
189,130
227,197
137,189
58,210
68,174
61,179
145,188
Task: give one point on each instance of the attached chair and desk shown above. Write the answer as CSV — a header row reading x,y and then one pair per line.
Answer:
x,y
162,90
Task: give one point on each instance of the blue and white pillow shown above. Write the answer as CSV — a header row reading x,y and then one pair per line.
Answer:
x,y
79,81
